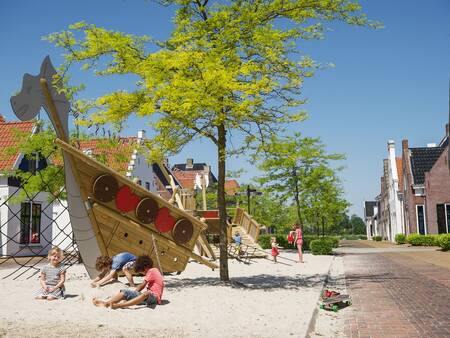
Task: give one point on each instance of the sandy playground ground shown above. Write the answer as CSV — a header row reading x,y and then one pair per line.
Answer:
x,y
263,300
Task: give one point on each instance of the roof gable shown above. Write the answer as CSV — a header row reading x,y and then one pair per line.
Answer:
x,y
11,135
422,160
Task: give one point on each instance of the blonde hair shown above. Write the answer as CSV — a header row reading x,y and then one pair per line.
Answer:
x,y
56,250
273,239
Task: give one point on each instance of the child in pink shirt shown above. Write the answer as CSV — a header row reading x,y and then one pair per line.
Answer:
x,y
153,280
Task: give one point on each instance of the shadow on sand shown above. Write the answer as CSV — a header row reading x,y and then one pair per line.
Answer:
x,y
257,282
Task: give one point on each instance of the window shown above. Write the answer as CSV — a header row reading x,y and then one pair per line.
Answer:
x,y
139,182
443,218
421,226
147,185
30,223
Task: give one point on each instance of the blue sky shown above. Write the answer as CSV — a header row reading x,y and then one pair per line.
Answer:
x,y
391,83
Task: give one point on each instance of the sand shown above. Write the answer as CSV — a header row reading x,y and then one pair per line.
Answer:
x,y
263,300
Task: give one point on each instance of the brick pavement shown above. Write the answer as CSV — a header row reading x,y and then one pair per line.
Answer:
x,y
396,296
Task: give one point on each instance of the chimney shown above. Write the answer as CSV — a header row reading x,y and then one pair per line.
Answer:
x,y
189,163
446,130
2,119
405,144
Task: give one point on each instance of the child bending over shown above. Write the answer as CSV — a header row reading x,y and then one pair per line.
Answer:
x,y
275,249
153,282
53,276
109,268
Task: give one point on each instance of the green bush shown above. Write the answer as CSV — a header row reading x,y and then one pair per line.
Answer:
x,y
264,241
377,238
400,238
334,241
443,241
422,240
321,246
363,237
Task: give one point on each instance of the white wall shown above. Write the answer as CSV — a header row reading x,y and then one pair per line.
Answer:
x,y
10,214
62,229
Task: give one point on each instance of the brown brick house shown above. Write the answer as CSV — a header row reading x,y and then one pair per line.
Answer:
x,y
426,188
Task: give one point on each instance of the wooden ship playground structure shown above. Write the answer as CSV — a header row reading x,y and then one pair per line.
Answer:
x,y
109,213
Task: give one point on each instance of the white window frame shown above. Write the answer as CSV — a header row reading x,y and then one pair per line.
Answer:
x,y
424,218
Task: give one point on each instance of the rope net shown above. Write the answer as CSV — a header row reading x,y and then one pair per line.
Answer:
x,y
32,226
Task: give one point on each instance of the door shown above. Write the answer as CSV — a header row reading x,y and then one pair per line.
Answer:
x,y
441,221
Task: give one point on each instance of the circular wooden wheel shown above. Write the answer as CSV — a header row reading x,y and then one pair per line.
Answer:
x,y
182,231
105,188
146,210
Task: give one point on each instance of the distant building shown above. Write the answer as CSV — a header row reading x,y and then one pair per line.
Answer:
x,y
370,218
26,226
426,188
185,173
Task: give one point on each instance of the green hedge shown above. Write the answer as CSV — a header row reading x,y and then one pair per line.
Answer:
x,y
377,238
400,239
321,246
422,240
443,241
264,241
353,237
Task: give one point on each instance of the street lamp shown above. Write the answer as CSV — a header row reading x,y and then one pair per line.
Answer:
x,y
249,192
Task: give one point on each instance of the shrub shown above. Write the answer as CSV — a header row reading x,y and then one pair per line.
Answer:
x,y
377,238
443,241
264,240
334,241
422,240
307,241
350,237
400,239
363,237
321,246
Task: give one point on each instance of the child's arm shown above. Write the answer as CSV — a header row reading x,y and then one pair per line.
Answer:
x,y
110,275
42,281
141,286
62,279
98,278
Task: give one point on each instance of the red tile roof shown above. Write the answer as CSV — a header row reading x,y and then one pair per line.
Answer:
x,y
186,178
231,187
11,135
115,153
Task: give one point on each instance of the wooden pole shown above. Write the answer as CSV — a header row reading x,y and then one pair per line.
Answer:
x,y
204,192
157,254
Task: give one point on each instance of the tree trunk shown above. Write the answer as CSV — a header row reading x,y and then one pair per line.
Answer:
x,y
297,200
221,153
323,227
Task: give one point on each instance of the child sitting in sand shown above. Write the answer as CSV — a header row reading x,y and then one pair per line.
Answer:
x,y
151,296
53,276
109,268
275,249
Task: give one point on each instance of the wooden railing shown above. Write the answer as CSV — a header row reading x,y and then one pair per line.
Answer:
x,y
246,221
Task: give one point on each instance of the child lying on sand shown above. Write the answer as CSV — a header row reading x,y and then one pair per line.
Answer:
x,y
151,296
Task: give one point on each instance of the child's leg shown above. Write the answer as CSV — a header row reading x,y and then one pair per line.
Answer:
x,y
135,301
129,275
106,303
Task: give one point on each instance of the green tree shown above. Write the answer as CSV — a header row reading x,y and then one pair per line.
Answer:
x,y
358,225
270,211
228,68
323,203
293,166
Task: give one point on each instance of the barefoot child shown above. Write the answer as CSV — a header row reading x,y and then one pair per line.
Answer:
x,y
53,276
275,249
153,280
109,268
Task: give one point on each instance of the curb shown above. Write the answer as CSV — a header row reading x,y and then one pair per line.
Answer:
x,y
312,322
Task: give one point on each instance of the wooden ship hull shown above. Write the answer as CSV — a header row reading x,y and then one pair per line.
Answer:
x,y
126,217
